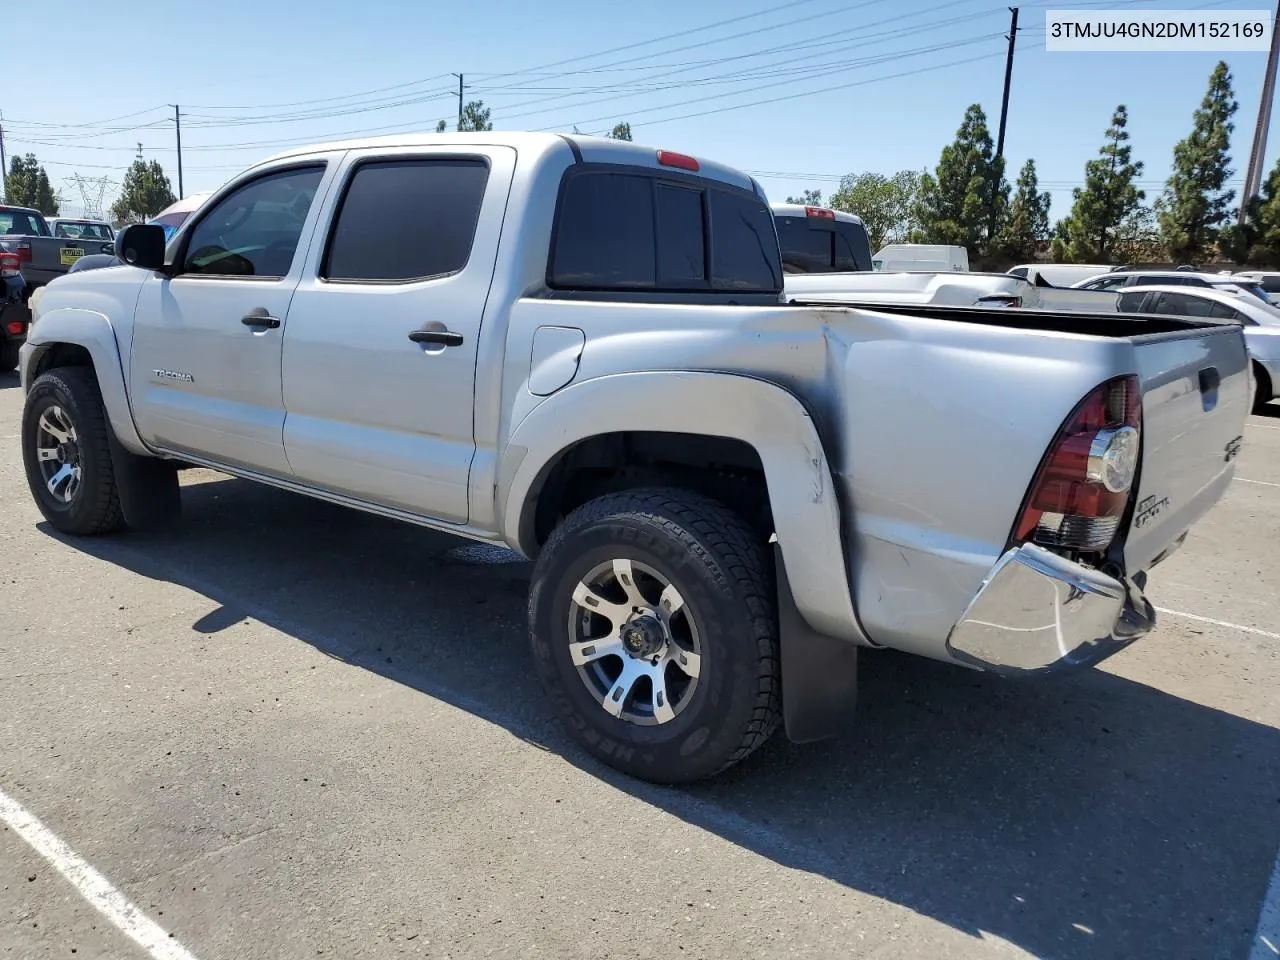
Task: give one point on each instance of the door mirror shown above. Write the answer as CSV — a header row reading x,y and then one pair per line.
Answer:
x,y
142,245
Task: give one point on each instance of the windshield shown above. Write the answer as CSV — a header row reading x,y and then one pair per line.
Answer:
x,y
79,230
25,224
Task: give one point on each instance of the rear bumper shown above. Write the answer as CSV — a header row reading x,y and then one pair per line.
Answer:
x,y
1037,612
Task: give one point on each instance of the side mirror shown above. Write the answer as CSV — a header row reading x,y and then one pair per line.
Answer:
x,y
141,245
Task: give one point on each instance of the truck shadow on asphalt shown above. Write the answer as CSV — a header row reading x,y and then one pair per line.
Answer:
x,y
1088,817
9,381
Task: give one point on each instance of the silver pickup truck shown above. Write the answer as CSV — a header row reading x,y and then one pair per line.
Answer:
x,y
42,255
578,348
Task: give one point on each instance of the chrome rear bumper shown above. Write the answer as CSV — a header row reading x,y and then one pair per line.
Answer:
x,y
1039,612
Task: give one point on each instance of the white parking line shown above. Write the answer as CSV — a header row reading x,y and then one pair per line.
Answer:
x,y
1262,426
1266,939
1219,623
91,885
1261,483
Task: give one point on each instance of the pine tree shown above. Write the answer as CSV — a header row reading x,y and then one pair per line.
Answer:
x,y
475,117
1196,203
27,185
1028,221
1109,197
1256,242
144,193
620,131
965,201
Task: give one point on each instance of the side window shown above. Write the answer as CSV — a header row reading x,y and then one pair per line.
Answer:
x,y
1220,311
1271,283
1130,302
254,231
406,220
1019,272
1112,283
1182,305
744,244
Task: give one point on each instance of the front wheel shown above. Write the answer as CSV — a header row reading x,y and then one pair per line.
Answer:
x,y
67,453
652,623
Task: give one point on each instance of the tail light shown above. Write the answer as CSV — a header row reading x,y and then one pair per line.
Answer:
x,y
24,251
10,265
1083,486
822,213
678,160
15,327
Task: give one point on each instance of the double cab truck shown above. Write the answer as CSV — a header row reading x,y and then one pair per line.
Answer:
x,y
580,349
42,255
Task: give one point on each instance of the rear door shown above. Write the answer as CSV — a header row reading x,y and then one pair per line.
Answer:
x,y
379,363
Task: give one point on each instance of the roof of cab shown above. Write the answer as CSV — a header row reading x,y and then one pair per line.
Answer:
x,y
591,149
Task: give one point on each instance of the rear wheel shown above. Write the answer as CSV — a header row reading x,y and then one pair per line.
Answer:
x,y
653,629
67,454
1262,387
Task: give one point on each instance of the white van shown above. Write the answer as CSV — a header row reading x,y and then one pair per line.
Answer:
x,y
1060,274
914,257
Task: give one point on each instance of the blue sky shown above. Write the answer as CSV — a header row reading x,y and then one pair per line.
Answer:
x,y
798,92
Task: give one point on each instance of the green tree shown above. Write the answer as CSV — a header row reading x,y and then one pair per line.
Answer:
x,y
810,198
888,206
1109,198
442,126
1256,242
1028,221
621,131
1196,202
965,200
27,185
475,117
145,193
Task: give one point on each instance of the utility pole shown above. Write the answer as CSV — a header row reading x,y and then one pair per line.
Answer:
x,y
177,129
4,167
459,76
1008,76
1253,177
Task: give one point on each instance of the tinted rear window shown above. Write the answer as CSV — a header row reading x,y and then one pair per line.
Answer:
x,y
813,245
407,220
626,229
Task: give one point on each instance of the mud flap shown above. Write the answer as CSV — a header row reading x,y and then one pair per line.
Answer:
x,y
819,672
149,494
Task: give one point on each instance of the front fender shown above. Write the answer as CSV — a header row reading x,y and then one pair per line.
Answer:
x,y
92,331
801,493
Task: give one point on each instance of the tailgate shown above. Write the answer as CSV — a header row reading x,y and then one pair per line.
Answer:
x,y
1195,398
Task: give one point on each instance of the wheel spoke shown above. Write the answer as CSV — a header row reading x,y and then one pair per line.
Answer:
x,y
662,711
589,651
587,598
670,602
63,475
52,424
46,453
627,579
687,662
615,700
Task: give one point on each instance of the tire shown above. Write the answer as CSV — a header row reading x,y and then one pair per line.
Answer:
x,y
722,573
1262,388
9,355
69,397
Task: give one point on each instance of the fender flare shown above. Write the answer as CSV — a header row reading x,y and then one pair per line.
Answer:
x,y
92,331
762,414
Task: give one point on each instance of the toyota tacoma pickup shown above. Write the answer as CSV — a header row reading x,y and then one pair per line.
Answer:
x,y
579,348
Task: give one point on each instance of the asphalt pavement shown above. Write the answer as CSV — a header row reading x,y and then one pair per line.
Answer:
x,y
289,730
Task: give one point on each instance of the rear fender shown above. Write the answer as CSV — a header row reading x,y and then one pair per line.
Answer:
x,y
765,416
92,331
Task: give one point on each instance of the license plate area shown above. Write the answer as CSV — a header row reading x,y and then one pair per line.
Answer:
x,y
69,255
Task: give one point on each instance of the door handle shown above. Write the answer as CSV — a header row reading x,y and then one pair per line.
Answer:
x,y
260,318
444,338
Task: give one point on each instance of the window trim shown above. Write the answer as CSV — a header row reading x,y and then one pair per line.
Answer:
x,y
349,176
190,226
654,176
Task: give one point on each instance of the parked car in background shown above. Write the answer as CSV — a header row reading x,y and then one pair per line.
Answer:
x,y
820,240
928,257
169,219
1060,274
1268,280
81,229
1261,323
1118,280
42,256
15,316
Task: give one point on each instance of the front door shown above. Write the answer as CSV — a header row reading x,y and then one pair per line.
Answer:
x,y
205,362
380,361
